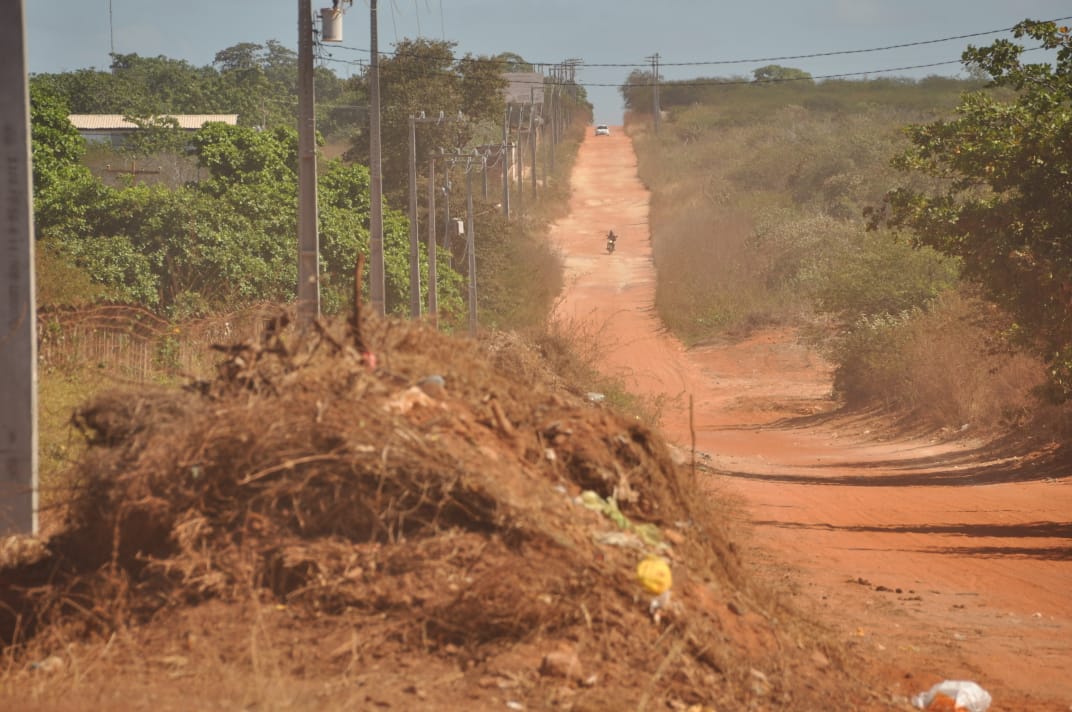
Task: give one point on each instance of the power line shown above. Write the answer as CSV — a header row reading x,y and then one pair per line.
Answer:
x,y
732,82
700,63
824,54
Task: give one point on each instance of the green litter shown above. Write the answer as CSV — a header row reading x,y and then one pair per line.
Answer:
x,y
608,507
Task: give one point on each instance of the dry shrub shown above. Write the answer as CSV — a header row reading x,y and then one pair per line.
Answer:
x,y
945,367
438,521
963,374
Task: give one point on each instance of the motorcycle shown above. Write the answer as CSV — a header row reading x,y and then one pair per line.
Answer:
x,y
611,239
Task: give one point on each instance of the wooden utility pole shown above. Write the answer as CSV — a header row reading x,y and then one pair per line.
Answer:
x,y
18,315
308,239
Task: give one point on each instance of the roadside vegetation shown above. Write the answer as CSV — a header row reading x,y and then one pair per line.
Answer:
x,y
200,228
914,230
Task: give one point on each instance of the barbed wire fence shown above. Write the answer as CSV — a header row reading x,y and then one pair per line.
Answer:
x,y
134,344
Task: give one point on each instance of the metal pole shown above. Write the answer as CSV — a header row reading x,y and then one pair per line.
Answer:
x,y
414,240
377,286
18,348
470,248
308,240
433,300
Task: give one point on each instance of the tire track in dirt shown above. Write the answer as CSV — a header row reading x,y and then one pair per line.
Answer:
x,y
938,559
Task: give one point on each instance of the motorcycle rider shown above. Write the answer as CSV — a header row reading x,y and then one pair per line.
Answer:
x,y
611,239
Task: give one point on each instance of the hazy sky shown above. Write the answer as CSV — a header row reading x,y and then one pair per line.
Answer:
x,y
73,34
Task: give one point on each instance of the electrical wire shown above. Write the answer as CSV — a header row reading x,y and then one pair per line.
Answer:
x,y
545,82
700,63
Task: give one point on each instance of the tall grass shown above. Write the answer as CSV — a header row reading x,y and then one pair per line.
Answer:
x,y
946,366
758,199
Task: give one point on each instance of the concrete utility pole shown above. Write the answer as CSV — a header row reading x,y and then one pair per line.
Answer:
x,y
18,315
414,240
308,239
470,234
533,126
377,286
520,162
549,137
470,245
447,188
506,161
433,298
484,173
656,110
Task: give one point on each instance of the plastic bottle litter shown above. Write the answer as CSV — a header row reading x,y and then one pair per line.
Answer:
x,y
953,696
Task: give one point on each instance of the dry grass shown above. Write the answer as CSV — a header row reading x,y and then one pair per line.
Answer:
x,y
303,527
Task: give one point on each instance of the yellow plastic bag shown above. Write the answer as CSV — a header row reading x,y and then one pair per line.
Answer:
x,y
653,573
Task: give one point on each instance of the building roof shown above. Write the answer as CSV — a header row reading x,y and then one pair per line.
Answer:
x,y
104,122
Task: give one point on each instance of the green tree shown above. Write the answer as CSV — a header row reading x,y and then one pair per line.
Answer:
x,y
637,90
424,76
778,73
259,83
1000,183
64,189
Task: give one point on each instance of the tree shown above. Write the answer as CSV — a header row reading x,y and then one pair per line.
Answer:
x,y
1000,183
777,73
511,62
64,189
637,90
424,75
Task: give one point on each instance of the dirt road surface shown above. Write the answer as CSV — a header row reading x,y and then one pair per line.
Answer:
x,y
936,559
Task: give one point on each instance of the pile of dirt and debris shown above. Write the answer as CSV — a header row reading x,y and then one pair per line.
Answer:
x,y
412,520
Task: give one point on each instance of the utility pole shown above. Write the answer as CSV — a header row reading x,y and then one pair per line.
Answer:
x,y
414,242
18,312
470,245
656,110
484,173
377,286
308,240
533,127
111,30
520,162
506,161
447,187
433,299
552,138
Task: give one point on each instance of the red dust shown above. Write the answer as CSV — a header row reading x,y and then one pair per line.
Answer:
x,y
932,558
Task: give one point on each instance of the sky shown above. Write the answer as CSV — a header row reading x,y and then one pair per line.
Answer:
x,y
693,38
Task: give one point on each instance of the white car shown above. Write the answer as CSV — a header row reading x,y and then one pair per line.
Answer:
x,y
602,130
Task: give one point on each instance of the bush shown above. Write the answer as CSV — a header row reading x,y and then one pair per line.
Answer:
x,y
943,365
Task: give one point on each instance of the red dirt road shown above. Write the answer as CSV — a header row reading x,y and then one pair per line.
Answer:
x,y
937,560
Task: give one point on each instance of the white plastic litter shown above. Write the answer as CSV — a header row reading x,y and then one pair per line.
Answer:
x,y
966,696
